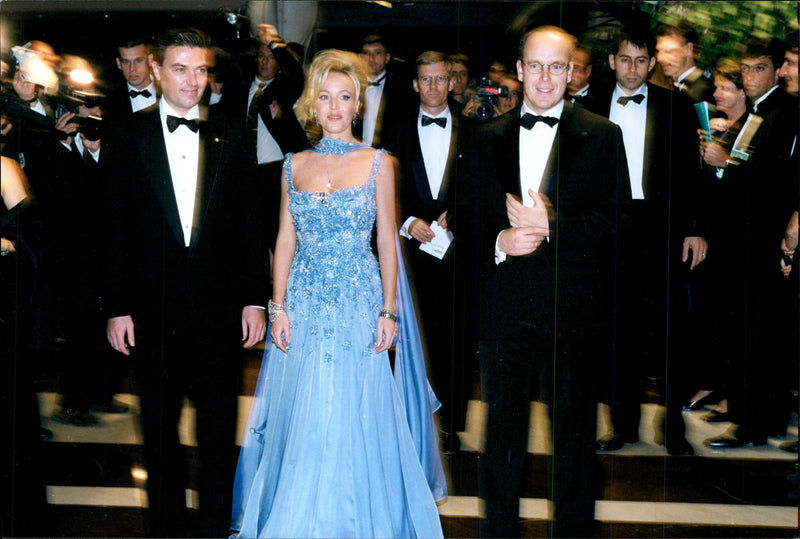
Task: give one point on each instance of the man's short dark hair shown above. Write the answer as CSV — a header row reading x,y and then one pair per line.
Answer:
x,y
638,38
372,39
129,42
183,37
792,40
772,48
680,29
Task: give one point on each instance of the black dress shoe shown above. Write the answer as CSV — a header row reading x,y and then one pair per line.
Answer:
x,y
699,403
791,447
111,407
730,441
680,449
74,417
45,435
614,442
718,417
451,443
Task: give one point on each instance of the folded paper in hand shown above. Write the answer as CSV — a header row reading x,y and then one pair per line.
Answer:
x,y
439,244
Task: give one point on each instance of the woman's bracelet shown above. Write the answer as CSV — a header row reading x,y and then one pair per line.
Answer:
x,y
388,314
274,309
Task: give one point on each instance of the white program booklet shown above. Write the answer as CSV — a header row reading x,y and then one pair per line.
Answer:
x,y
439,244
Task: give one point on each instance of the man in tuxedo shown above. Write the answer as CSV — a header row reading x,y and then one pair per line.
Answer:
x,y
765,189
660,241
139,92
426,145
184,282
578,87
385,97
540,189
677,47
271,129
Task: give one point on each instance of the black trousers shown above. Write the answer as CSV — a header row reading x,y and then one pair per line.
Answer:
x,y
560,370
202,363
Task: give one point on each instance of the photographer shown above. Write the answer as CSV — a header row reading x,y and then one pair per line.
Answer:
x,y
76,243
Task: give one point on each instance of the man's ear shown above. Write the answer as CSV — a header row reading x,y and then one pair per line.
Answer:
x,y
156,69
652,64
416,85
612,62
119,64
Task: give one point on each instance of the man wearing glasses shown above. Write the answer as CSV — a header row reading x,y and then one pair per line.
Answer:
x,y
426,146
540,190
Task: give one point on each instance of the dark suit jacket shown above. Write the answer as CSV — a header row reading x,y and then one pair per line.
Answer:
x,y
118,103
285,88
585,176
672,173
415,189
395,101
152,275
698,87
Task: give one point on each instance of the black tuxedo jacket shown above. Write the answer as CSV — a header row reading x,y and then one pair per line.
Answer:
x,y
697,87
117,105
285,88
672,171
585,177
151,274
395,101
415,189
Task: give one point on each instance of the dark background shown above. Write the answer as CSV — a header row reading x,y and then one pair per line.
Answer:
x,y
481,30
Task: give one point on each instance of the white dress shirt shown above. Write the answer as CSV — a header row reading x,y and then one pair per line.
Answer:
x,y
632,119
38,106
434,141
758,101
81,148
141,102
372,103
183,151
535,145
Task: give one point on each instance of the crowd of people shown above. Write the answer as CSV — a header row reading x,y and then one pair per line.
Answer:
x,y
526,229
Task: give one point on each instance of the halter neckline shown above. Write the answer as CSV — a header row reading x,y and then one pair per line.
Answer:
x,y
331,146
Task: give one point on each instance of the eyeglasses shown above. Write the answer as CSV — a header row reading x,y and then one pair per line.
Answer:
x,y
438,79
556,69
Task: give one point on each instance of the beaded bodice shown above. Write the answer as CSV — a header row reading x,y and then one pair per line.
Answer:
x,y
333,265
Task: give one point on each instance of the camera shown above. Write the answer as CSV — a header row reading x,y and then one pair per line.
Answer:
x,y
486,96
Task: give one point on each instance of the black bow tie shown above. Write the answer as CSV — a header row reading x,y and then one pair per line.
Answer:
x,y
377,82
427,120
173,122
143,93
625,99
529,120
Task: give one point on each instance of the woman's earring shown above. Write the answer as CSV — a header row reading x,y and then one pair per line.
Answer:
x,y
316,120
355,117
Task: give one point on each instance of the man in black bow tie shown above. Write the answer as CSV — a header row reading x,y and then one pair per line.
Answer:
x,y
139,92
660,242
385,97
542,202
426,145
184,283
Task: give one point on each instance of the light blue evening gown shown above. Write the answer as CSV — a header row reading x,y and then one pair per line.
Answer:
x,y
336,444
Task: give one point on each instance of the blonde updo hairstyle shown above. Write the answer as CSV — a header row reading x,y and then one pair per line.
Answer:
x,y
326,62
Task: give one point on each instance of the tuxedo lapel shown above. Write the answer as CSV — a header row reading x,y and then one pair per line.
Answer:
x,y
153,150
650,130
506,147
451,158
418,167
210,158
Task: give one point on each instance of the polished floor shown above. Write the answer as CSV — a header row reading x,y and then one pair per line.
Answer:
x,y
95,479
